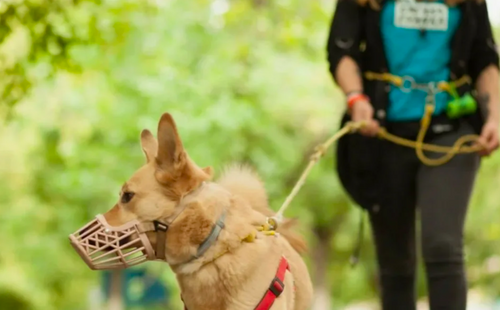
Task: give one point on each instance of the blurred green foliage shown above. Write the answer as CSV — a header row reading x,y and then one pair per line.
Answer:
x,y
246,81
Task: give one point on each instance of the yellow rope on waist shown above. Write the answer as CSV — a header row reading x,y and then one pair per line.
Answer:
x,y
386,77
399,81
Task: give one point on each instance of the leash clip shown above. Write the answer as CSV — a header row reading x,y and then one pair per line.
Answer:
x,y
273,222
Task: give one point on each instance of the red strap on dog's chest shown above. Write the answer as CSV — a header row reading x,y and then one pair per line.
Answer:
x,y
276,288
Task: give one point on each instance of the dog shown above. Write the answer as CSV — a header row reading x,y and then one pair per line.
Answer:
x,y
238,268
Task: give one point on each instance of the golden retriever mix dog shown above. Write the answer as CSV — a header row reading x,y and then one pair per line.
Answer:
x,y
238,266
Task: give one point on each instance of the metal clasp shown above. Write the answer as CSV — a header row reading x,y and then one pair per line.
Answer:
x,y
159,226
432,90
407,84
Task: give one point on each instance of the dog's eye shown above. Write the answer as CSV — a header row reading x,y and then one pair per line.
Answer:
x,y
126,197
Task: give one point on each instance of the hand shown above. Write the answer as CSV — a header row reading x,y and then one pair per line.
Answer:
x,y
489,138
362,111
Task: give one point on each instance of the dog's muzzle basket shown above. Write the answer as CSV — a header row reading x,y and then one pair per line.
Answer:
x,y
104,247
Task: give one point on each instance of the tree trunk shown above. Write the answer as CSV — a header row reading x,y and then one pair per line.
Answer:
x,y
321,254
322,300
115,296
321,258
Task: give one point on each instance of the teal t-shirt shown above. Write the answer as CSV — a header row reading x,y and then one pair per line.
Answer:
x,y
411,51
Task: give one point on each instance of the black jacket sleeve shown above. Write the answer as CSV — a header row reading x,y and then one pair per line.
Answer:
x,y
484,50
345,34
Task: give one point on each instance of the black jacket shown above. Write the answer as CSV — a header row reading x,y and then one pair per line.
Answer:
x,y
355,32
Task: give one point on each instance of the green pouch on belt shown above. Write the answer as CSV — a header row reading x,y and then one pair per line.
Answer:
x,y
460,106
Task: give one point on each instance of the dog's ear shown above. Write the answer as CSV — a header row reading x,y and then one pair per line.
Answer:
x,y
149,145
209,171
170,149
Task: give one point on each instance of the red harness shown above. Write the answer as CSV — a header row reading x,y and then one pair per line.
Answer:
x,y
275,289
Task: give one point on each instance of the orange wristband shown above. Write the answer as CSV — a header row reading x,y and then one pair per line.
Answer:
x,y
352,99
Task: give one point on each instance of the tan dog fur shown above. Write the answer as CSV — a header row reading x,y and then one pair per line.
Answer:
x,y
232,274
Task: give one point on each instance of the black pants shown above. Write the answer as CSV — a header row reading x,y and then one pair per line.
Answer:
x,y
441,194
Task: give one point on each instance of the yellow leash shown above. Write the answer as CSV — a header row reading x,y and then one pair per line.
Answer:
x,y
459,147
315,157
351,127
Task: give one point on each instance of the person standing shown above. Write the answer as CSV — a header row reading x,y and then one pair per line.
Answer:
x,y
390,58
